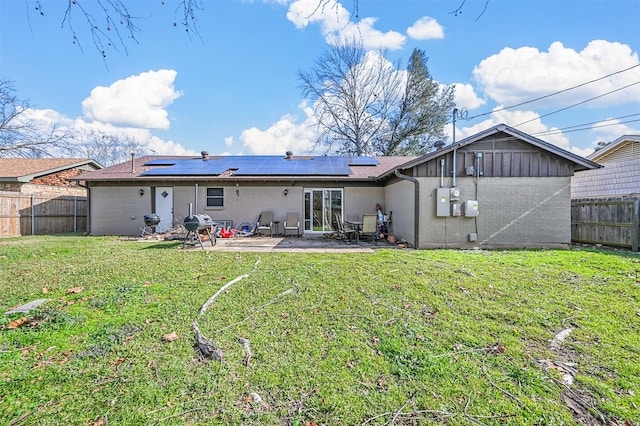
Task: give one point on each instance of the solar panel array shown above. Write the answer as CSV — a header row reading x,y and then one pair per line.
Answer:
x,y
260,165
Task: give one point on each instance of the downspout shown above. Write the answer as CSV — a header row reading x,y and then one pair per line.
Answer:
x,y
195,196
416,220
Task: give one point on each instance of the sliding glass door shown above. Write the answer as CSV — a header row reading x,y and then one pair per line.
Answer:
x,y
320,206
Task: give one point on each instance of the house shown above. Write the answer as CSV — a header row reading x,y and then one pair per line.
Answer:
x,y
606,201
38,197
44,175
620,175
500,187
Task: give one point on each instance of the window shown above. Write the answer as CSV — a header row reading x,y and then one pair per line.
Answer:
x,y
215,197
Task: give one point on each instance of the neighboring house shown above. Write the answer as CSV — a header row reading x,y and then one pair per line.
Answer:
x,y
38,197
606,201
44,175
620,175
500,187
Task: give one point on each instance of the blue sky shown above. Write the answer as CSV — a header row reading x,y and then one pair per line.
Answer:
x,y
233,88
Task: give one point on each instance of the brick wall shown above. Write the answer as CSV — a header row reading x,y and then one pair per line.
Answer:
x,y
59,179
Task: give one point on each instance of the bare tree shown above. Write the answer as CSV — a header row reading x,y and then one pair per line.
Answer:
x,y
106,148
20,134
365,105
112,23
352,91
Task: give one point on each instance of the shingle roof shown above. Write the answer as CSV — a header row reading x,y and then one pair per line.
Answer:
x,y
25,169
133,171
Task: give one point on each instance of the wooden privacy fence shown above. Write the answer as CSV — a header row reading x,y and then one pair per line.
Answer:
x,y
31,214
613,221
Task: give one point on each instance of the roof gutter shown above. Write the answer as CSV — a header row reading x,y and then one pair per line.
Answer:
x,y
416,206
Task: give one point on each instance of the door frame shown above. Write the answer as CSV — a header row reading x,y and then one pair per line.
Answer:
x,y
326,223
164,207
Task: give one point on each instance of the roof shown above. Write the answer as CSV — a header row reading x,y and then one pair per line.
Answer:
x,y
26,169
239,168
624,148
581,163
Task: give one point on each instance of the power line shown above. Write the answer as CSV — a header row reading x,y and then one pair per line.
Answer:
x,y
553,94
576,104
564,130
583,125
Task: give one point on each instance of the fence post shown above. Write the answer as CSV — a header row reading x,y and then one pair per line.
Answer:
x,y
75,213
33,214
635,232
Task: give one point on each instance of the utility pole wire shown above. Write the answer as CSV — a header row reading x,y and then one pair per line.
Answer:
x,y
554,93
579,103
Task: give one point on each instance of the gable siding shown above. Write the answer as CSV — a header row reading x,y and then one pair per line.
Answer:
x,y
627,151
509,163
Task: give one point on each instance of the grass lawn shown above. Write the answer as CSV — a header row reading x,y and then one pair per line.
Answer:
x,y
393,337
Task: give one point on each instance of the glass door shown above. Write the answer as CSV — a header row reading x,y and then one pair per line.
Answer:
x,y
319,208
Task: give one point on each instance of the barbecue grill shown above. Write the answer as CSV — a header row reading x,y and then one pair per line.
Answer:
x,y
198,224
150,221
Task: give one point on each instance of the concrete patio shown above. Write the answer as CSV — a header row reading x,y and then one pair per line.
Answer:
x,y
295,244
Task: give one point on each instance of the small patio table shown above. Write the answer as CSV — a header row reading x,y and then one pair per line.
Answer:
x,y
357,226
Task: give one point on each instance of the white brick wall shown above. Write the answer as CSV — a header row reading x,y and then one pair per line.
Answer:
x,y
613,179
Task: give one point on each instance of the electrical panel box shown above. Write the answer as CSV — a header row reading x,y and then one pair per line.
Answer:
x,y
473,237
442,202
471,208
456,209
455,194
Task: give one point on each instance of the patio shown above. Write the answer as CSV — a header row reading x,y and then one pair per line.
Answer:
x,y
296,244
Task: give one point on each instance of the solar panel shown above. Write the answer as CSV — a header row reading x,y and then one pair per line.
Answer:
x,y
362,161
161,162
260,165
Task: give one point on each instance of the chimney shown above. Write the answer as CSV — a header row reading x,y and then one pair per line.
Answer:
x,y
288,155
205,155
133,156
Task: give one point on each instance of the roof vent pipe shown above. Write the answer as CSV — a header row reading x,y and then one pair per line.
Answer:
x,y
133,156
288,155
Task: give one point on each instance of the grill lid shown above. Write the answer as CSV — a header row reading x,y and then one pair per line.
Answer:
x,y
152,219
198,222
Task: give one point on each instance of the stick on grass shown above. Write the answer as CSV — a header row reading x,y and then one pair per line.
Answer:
x,y
219,292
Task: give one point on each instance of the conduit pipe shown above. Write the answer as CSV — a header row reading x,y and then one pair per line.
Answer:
x,y
453,172
416,206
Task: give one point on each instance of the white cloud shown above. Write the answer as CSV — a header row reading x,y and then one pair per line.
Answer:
x,y
465,96
610,130
518,75
534,127
136,101
336,25
284,135
161,147
426,28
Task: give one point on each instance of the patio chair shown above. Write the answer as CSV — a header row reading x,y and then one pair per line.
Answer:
x,y
344,231
292,223
370,227
265,223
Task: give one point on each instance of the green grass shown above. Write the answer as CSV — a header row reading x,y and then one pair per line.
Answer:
x,y
428,337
